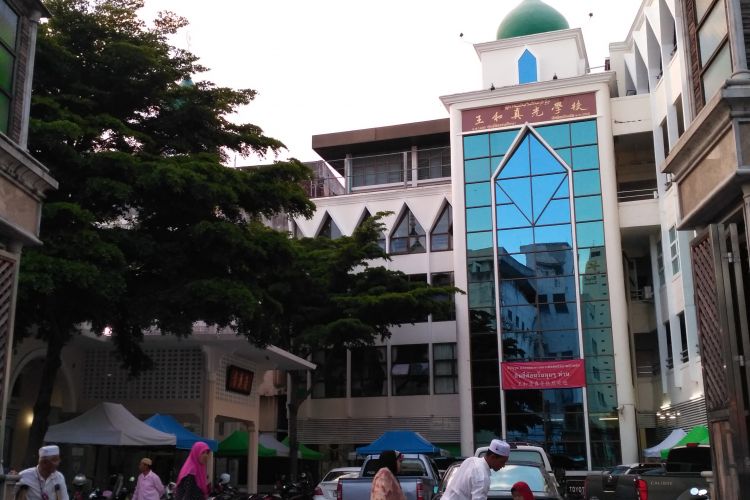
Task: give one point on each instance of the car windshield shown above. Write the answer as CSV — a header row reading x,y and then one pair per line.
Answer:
x,y
517,455
505,478
526,456
335,474
409,467
619,471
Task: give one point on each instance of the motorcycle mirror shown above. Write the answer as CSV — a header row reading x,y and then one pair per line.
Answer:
x,y
694,491
131,479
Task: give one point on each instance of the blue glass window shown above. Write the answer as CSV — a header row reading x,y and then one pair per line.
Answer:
x,y
590,234
518,192
479,219
479,242
527,71
585,183
518,164
596,314
594,287
585,157
513,240
478,195
477,170
598,342
501,141
583,132
588,208
478,296
508,216
591,260
476,146
557,136
566,155
542,160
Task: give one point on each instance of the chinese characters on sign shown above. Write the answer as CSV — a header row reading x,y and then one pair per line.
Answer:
x,y
239,380
518,113
544,375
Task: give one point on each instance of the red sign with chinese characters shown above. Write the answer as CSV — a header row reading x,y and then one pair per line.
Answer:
x,y
544,375
539,110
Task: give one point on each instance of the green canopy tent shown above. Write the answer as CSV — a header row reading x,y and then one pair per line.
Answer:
x,y
698,435
304,452
236,444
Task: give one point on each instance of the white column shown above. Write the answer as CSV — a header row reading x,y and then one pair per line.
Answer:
x,y
252,458
617,298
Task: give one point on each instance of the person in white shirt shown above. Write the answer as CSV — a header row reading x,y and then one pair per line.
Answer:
x,y
149,485
43,482
472,480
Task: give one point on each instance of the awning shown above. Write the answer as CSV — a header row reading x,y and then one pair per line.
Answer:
x,y
236,444
669,442
403,441
185,438
698,435
108,424
267,440
303,451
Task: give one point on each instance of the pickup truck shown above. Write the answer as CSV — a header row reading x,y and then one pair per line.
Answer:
x,y
680,474
419,478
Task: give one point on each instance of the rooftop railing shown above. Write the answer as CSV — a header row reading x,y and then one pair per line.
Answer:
x,y
403,169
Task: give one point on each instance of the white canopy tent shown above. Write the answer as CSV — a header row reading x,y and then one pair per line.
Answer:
x,y
267,440
669,442
108,424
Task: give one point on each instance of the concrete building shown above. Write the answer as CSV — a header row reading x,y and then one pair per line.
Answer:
x,y
23,180
541,196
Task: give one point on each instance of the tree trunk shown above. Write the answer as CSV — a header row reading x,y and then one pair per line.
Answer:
x,y
297,387
42,406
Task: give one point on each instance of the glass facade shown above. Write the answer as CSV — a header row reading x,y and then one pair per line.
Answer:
x,y
8,34
537,287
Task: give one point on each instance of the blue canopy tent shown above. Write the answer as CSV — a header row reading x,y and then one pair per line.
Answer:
x,y
185,438
403,441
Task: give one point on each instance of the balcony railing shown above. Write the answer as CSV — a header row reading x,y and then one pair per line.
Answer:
x,y
684,356
411,168
647,369
650,193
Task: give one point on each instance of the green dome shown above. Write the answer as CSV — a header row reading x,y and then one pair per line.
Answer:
x,y
529,18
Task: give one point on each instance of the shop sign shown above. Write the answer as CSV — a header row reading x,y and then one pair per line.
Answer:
x,y
539,110
568,374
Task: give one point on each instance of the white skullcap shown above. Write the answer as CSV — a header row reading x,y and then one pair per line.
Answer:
x,y
500,447
49,451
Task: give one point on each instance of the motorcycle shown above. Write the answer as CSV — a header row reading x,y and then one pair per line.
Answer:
x,y
169,490
296,490
80,483
223,490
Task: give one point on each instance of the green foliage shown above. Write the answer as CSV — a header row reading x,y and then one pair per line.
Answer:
x,y
148,228
336,293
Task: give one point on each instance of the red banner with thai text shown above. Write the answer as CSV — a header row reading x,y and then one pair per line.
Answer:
x,y
568,374
534,111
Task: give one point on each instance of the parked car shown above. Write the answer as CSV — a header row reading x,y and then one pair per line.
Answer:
x,y
419,478
326,489
541,482
681,474
522,452
603,484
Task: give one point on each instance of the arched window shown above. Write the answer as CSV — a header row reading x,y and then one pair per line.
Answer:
x,y
381,238
441,238
527,72
329,229
408,236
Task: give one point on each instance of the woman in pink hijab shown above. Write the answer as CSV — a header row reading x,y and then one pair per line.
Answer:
x,y
192,483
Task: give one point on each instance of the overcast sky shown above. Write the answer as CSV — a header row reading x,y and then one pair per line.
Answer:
x,y
334,65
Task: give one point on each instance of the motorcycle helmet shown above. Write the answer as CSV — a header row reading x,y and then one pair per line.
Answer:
x,y
79,480
224,478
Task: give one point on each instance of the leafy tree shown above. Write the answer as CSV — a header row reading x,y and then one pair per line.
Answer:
x,y
333,295
149,229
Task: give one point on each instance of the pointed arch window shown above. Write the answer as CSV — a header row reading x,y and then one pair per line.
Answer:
x,y
409,236
441,238
527,71
329,229
381,238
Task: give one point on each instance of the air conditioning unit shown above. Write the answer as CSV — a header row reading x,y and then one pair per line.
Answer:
x,y
648,293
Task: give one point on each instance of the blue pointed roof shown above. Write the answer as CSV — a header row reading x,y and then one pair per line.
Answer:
x,y
403,441
185,438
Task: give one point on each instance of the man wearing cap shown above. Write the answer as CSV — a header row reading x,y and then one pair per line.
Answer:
x,y
472,480
43,482
149,485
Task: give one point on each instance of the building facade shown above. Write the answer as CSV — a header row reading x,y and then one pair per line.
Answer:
x,y
23,180
578,327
